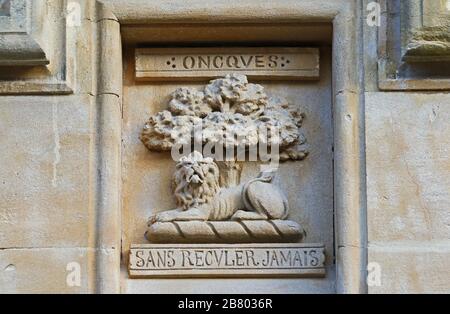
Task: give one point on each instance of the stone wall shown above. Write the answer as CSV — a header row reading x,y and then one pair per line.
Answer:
x,y
407,170
52,178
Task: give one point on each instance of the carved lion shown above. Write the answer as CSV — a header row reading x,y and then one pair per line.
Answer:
x,y
200,197
196,181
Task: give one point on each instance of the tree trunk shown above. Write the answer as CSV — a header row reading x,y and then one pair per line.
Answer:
x,y
230,173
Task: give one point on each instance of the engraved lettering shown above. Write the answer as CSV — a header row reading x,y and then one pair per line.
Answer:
x,y
204,61
199,258
188,62
233,62
273,61
240,258
298,259
314,258
179,259
287,259
150,260
141,261
208,258
214,62
186,260
218,62
170,258
161,258
274,260
247,62
259,61
250,255
228,261
217,257
265,262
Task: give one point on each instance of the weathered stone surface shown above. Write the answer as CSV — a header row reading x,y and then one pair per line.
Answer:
x,y
408,168
420,267
231,285
46,270
408,176
45,185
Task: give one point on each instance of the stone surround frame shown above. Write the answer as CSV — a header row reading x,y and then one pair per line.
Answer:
x,y
16,28
33,48
411,59
348,114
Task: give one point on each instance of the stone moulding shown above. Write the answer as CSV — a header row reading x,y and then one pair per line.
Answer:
x,y
424,41
20,50
349,183
429,45
245,231
17,45
40,64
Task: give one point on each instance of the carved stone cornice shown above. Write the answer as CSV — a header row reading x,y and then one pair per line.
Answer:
x,y
33,47
18,47
414,45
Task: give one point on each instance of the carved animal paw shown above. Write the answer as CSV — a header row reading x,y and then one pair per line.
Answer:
x,y
164,217
161,217
151,220
246,215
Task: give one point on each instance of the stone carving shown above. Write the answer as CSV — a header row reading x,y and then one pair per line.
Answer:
x,y
429,44
199,195
213,204
232,112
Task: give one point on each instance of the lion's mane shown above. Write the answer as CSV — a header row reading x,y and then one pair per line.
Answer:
x,y
189,194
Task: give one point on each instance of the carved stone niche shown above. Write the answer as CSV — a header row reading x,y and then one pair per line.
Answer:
x,y
18,46
225,165
428,36
33,47
414,45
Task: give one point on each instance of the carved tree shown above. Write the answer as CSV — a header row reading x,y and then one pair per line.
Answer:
x,y
233,114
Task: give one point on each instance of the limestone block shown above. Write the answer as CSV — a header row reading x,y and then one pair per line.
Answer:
x,y
45,270
44,177
408,166
231,286
422,268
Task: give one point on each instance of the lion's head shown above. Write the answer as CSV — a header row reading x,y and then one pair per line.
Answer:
x,y
196,180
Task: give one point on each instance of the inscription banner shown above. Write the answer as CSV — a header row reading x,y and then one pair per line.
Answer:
x,y
227,260
206,63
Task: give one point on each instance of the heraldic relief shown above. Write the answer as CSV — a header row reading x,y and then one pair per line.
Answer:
x,y
212,133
